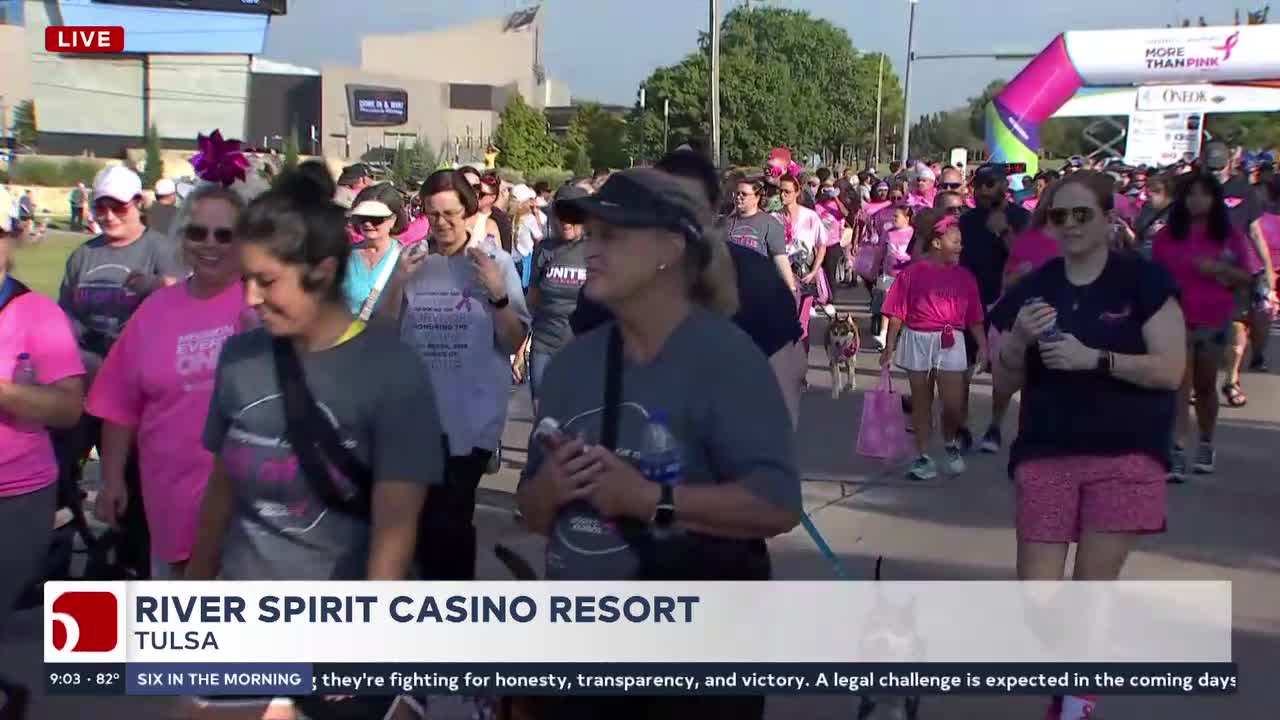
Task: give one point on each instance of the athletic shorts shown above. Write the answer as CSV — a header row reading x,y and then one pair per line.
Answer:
x,y
1060,498
1207,339
920,351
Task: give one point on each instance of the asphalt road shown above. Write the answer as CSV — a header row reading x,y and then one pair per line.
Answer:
x,y
1220,527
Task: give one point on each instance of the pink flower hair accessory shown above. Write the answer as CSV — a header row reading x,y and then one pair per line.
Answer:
x,y
219,161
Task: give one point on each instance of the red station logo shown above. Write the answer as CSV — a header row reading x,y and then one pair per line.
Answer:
x,y
84,39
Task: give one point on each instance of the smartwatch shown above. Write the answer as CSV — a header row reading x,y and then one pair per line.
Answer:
x,y
501,302
664,515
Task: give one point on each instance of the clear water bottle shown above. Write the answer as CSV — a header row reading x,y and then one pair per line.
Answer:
x,y
24,373
660,457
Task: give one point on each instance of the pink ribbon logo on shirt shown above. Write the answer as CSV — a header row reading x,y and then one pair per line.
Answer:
x,y
465,301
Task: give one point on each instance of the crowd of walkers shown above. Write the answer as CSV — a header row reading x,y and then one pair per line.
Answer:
x,y
309,381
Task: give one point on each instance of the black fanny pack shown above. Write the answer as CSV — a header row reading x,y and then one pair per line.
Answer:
x,y
687,555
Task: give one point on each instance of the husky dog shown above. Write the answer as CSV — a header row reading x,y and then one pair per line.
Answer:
x,y
895,633
843,343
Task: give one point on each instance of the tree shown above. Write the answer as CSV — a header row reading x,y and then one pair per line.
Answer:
x,y
786,79
596,138
577,148
935,135
291,150
153,169
978,107
24,123
523,139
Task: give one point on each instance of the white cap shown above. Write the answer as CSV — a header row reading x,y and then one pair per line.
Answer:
x,y
925,173
371,208
165,187
117,182
523,193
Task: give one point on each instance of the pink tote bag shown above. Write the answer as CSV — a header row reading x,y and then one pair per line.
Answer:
x,y
883,432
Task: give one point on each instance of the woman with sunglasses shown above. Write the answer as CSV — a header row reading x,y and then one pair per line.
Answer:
x,y
41,387
105,280
806,237
489,221
463,310
379,215
155,385
1096,345
930,303
1211,261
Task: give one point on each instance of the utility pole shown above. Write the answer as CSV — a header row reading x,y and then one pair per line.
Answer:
x,y
906,83
875,157
715,82
666,125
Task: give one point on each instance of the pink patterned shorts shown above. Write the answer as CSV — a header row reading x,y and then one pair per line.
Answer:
x,y
1058,498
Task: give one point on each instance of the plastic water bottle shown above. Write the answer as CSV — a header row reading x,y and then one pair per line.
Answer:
x,y
660,458
24,373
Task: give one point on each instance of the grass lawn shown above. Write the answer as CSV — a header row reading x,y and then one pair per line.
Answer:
x,y
40,266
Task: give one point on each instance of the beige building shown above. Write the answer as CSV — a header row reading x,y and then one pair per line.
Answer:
x,y
455,82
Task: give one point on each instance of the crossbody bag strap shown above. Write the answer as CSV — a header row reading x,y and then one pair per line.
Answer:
x,y
315,440
380,282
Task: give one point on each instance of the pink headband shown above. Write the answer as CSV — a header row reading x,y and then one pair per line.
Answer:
x,y
945,224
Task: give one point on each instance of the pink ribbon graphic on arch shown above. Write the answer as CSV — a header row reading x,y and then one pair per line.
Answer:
x,y
1232,40
465,301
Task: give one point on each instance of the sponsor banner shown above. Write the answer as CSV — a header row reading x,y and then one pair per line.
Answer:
x,y
1163,138
377,105
1209,98
384,679
1175,55
637,622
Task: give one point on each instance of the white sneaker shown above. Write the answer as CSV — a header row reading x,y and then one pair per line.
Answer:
x,y
955,459
829,309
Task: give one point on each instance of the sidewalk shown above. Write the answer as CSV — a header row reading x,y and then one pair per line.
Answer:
x,y
1220,527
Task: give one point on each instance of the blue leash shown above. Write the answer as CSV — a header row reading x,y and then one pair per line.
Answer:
x,y
824,548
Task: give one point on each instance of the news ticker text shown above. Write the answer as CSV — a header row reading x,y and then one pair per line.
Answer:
x,y
383,679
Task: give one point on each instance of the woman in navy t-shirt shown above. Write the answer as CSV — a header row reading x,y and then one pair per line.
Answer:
x,y
1097,345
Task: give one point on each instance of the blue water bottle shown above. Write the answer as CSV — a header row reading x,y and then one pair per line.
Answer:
x,y
660,458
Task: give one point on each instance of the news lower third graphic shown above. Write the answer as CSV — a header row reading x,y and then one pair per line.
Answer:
x,y
341,638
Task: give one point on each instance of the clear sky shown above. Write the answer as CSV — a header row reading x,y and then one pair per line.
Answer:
x,y
637,37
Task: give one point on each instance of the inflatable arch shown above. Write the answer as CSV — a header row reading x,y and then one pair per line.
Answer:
x,y
1209,57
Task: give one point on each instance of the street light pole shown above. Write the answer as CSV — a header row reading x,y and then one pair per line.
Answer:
x,y
906,83
715,82
875,157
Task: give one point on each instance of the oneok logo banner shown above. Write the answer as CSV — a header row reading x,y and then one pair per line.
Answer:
x,y
84,621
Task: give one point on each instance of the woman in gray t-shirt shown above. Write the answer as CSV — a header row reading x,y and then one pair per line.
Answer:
x,y
698,504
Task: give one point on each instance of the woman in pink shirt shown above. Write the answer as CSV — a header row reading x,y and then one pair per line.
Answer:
x,y
1209,260
893,255
41,386
929,304
155,385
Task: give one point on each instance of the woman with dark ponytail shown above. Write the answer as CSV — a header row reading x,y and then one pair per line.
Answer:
x,y
317,421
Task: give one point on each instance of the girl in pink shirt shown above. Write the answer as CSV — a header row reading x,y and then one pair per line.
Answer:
x,y
929,304
41,386
155,385
1209,260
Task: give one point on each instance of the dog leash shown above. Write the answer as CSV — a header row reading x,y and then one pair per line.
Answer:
x,y
836,566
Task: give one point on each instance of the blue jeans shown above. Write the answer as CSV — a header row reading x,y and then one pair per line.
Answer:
x,y
538,362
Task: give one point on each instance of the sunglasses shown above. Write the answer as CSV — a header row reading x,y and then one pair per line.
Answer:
x,y
102,206
359,220
950,186
956,211
1082,215
200,234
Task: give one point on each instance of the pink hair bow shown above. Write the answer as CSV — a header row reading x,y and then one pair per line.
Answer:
x,y
219,161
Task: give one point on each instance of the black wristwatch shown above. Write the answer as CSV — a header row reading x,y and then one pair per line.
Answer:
x,y
664,515
1105,362
500,302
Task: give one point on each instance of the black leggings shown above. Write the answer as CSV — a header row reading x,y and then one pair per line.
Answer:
x,y
447,531
72,446
831,265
